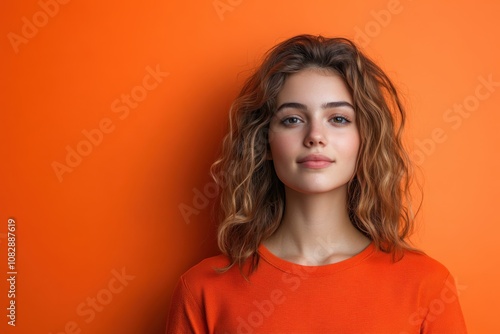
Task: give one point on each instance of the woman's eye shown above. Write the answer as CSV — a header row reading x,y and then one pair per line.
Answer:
x,y
340,120
291,120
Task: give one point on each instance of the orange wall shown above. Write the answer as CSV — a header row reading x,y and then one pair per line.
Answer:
x,y
100,238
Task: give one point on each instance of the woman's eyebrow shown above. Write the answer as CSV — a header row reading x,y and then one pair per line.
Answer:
x,y
296,105
293,105
337,104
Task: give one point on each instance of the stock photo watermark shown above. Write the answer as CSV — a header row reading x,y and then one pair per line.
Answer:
x,y
121,107
381,19
11,272
203,195
223,6
201,200
437,306
30,27
93,305
454,118
264,309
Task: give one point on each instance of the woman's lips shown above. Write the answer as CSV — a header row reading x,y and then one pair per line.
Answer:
x,y
315,161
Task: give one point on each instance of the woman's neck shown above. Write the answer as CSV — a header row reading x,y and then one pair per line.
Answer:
x,y
316,229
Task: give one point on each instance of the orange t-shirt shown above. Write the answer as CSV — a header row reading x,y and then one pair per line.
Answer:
x,y
367,293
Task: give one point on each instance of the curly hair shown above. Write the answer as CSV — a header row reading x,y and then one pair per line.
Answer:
x,y
252,198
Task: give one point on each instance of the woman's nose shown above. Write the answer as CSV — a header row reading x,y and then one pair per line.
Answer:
x,y
315,134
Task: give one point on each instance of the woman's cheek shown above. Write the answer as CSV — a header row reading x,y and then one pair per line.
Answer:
x,y
280,144
347,145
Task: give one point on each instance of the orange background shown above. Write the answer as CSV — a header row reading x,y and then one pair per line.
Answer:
x,y
119,207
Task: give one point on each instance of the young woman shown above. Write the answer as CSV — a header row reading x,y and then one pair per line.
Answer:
x,y
316,209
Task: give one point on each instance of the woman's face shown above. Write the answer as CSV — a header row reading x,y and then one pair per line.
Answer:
x,y
313,136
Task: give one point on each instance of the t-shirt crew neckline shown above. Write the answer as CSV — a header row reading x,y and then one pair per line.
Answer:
x,y
291,267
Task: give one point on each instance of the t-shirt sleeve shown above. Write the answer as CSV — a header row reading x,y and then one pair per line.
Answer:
x,y
186,315
444,314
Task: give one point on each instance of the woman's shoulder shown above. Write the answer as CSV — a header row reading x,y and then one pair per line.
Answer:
x,y
206,271
421,266
423,261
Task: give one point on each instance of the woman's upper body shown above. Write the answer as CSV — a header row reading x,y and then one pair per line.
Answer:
x,y
315,209
366,293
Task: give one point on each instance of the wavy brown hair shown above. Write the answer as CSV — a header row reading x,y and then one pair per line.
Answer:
x,y
252,198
